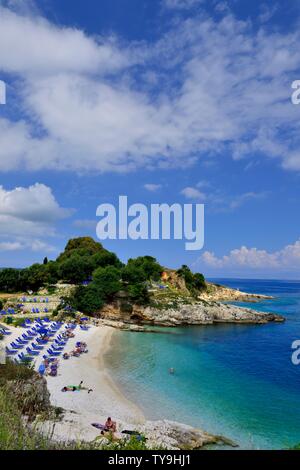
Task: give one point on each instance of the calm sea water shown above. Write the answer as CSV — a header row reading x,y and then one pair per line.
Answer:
x,y
229,379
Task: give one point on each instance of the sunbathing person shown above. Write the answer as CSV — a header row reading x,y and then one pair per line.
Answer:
x,y
110,425
76,388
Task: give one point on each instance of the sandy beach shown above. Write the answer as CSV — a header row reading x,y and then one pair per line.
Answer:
x,y
83,408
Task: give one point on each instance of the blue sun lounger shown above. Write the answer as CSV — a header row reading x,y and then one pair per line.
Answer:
x,y
10,352
31,352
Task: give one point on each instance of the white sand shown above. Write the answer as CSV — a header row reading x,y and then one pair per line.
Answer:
x,y
84,408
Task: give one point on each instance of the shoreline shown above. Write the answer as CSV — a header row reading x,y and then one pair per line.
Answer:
x,y
80,408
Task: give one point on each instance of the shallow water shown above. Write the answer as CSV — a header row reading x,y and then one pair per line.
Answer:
x,y
235,380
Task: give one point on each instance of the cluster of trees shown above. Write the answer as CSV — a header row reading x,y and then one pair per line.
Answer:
x,y
108,280
193,281
86,260
32,278
76,264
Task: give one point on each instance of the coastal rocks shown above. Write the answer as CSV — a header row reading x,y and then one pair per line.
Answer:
x,y
201,313
215,292
177,436
183,312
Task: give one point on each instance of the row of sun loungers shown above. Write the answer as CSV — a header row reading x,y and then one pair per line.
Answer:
x,y
37,310
9,311
32,340
39,336
4,332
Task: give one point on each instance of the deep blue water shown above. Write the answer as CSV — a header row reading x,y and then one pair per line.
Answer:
x,y
235,380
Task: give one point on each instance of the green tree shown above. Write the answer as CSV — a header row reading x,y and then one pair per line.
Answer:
x,y
87,299
192,281
108,281
75,269
133,274
52,272
146,267
81,246
10,280
199,281
138,294
105,258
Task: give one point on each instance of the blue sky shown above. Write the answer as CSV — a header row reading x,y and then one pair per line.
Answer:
x,y
165,101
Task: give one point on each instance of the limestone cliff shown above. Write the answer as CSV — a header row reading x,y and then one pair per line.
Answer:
x,y
194,313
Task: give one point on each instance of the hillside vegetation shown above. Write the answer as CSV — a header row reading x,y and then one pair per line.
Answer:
x,y
99,276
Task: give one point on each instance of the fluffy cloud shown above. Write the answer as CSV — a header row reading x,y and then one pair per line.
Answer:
x,y
218,201
33,245
89,104
27,215
10,246
35,46
238,201
285,260
181,4
33,204
152,187
193,193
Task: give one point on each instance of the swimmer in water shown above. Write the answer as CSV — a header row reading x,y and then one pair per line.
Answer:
x,y
171,371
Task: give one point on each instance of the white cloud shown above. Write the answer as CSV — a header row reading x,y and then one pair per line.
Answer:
x,y
40,246
85,224
33,45
217,201
267,12
152,187
25,7
33,204
181,4
285,260
10,246
238,201
193,193
33,245
222,7
27,217
221,86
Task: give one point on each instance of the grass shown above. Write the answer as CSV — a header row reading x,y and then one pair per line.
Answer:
x,y
14,434
11,371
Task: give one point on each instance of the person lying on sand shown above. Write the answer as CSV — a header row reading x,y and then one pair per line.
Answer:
x,y
76,388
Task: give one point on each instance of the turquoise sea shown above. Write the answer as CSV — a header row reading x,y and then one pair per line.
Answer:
x,y
234,380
